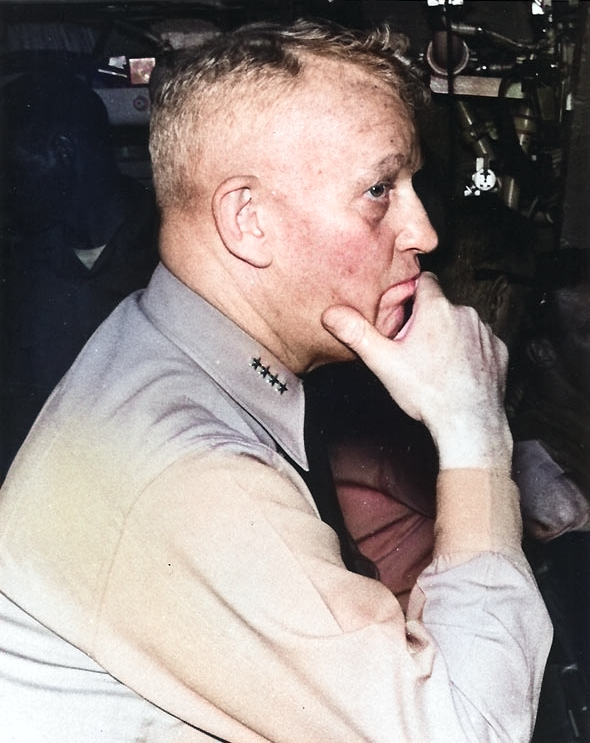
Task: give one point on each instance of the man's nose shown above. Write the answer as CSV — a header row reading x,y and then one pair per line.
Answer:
x,y
416,231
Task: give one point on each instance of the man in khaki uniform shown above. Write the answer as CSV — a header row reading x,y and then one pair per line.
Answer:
x,y
166,575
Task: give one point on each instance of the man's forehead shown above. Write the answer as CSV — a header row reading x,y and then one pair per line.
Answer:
x,y
339,94
334,110
338,75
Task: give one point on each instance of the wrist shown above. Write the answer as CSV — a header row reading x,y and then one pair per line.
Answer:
x,y
469,444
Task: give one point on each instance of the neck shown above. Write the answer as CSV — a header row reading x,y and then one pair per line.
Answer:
x,y
235,288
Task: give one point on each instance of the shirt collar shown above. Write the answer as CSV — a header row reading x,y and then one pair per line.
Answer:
x,y
245,369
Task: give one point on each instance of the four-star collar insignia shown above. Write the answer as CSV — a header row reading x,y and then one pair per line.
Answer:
x,y
265,373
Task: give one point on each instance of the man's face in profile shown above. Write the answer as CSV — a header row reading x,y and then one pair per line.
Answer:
x,y
348,226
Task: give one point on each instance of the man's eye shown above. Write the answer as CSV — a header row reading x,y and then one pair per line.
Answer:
x,y
379,190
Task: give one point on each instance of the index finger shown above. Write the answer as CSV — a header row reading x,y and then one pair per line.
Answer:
x,y
427,287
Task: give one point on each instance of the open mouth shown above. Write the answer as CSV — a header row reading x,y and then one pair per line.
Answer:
x,y
405,312
395,308
408,309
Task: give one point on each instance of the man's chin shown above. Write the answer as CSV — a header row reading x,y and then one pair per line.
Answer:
x,y
343,354
337,354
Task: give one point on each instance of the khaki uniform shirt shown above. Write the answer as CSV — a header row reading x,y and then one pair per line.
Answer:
x,y
166,576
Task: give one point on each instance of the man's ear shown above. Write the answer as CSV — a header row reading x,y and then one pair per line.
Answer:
x,y
498,299
238,220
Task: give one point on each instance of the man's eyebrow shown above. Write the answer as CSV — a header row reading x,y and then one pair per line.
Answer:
x,y
390,165
386,168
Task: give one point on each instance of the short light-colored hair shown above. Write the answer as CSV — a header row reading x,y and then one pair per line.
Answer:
x,y
194,89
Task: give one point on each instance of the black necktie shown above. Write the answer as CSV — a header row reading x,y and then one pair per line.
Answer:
x,y
320,482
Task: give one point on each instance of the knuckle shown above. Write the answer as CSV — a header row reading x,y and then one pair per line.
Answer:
x,y
357,335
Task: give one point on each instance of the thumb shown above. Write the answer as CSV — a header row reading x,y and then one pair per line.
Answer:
x,y
355,331
381,355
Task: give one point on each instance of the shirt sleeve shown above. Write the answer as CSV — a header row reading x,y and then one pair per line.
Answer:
x,y
227,605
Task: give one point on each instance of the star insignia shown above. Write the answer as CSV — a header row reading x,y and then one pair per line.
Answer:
x,y
265,373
